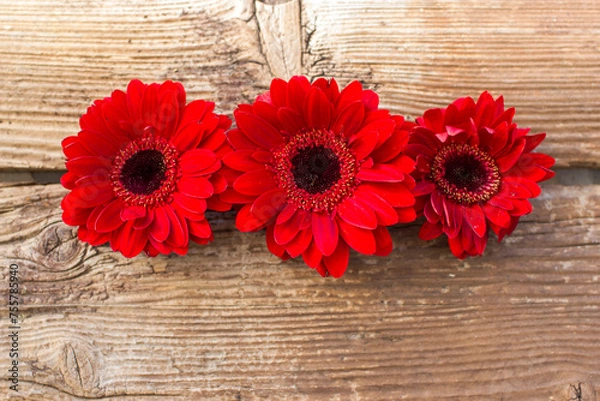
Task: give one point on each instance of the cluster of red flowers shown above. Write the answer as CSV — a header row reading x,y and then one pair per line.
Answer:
x,y
321,169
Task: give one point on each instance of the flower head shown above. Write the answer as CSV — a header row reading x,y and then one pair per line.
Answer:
x,y
475,172
322,170
143,170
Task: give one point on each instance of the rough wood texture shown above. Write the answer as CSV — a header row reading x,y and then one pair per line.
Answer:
x,y
232,322
542,55
57,56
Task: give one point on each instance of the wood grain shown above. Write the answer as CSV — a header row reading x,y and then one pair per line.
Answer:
x,y
56,57
541,55
232,322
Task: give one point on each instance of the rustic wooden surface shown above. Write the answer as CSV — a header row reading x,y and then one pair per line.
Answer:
x,y
232,322
57,56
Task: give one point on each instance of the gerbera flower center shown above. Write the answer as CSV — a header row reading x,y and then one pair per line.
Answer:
x,y
145,172
465,173
316,169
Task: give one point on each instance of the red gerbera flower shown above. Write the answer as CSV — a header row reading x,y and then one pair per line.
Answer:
x,y
322,170
475,172
143,170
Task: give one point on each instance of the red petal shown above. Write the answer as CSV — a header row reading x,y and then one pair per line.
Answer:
x,y
144,222
287,231
359,239
349,120
501,202
160,227
194,112
507,161
109,218
390,148
520,207
291,120
475,218
525,185
380,173
325,231
194,205
350,94
246,221
430,214
532,141
99,143
396,195
258,130
268,205
219,182
273,247
511,189
337,262
240,141
386,215
370,100
88,165
196,160
267,112
233,197
278,91
87,196
242,160
406,214
76,217
133,212
196,187
300,243
456,247
354,212
312,256
423,188
363,143
286,214
178,235
188,137
499,217
68,179
200,229
383,239
317,110
131,241
298,87
167,113
255,182
430,231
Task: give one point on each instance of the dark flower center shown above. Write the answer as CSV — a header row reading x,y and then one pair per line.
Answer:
x,y
144,172
465,173
315,169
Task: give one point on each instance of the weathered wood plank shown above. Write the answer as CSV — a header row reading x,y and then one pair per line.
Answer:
x,y
56,57
541,55
230,321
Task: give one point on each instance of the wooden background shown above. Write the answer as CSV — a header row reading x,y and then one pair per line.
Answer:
x,y
232,322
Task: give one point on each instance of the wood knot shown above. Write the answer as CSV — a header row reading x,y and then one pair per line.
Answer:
x,y
58,248
78,365
581,392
